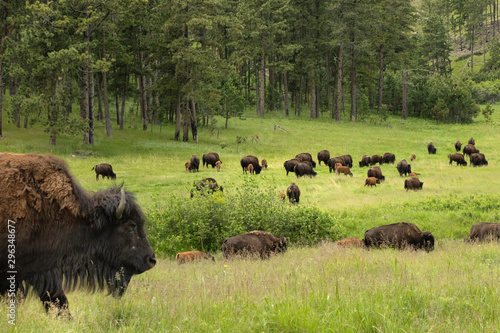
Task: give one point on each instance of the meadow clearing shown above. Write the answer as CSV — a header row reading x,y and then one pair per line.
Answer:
x,y
316,288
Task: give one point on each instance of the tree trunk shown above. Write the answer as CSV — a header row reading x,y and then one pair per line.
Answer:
x,y
328,77
100,116
380,78
107,113
257,103
185,121
339,83
285,83
117,106
84,100
353,83
178,117
143,101
472,51
194,121
313,93
404,114
299,98
262,84
122,112
1,83
91,107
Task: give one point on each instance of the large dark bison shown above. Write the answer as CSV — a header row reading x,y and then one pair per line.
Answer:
x,y
376,172
290,165
333,161
389,158
478,159
194,164
105,170
365,161
254,243
484,231
458,146
457,157
305,169
347,160
430,148
413,184
65,237
306,157
376,159
470,149
323,156
399,235
210,158
206,185
471,142
403,167
293,193
250,159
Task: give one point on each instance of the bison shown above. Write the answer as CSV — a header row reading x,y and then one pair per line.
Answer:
x,y
250,159
376,159
458,146
478,159
413,174
376,172
264,164
365,161
343,169
350,243
413,184
389,158
372,181
187,165
66,237
332,162
105,170
304,169
184,257
290,165
484,231
293,193
206,185
254,243
323,156
430,148
250,169
210,158
306,157
403,167
470,149
457,157
399,235
471,142
218,165
347,160
413,157
195,164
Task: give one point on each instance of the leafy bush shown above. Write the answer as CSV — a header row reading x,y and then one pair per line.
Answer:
x,y
204,222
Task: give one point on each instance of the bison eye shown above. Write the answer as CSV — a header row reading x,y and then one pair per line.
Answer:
x,y
131,229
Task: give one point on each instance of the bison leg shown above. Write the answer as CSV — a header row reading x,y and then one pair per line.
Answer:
x,y
56,300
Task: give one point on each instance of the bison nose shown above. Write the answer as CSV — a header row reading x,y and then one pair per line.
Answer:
x,y
152,262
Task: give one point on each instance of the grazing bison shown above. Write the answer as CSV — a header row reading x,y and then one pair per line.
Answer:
x,y
457,157
484,231
323,156
66,237
350,242
399,235
105,170
332,162
389,158
293,193
458,146
264,164
210,158
206,184
250,159
376,159
304,169
290,165
430,148
413,157
184,257
195,164
306,157
187,165
375,172
478,159
347,160
254,243
372,181
470,149
343,169
413,184
471,142
218,165
365,161
403,167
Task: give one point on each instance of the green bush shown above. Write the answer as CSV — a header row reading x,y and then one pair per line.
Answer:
x,y
206,220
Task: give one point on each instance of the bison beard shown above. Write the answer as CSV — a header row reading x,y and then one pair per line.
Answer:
x,y
66,238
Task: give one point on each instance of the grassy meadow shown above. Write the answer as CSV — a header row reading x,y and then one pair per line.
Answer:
x,y
308,289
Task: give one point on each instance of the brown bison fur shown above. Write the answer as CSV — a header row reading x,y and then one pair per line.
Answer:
x,y
290,165
376,172
218,165
65,237
250,169
105,170
304,169
345,170
471,142
458,146
430,148
413,174
413,157
413,184
350,243
457,157
478,159
399,235
376,159
293,193
195,163
254,244
365,161
484,231
250,159
306,157
210,158
206,185
403,167
347,160
323,156
187,165
264,164
282,196
389,158
184,257
372,181
332,162
470,149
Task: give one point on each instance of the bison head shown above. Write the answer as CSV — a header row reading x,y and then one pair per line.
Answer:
x,y
428,241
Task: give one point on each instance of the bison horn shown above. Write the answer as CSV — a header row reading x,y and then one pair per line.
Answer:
x,y
121,205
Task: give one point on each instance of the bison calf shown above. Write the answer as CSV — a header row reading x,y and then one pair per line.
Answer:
x,y
206,185
293,193
184,257
350,242
264,164
345,170
218,165
372,181
250,169
413,157
105,170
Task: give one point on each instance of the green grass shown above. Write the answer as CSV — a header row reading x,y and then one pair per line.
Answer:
x,y
308,289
